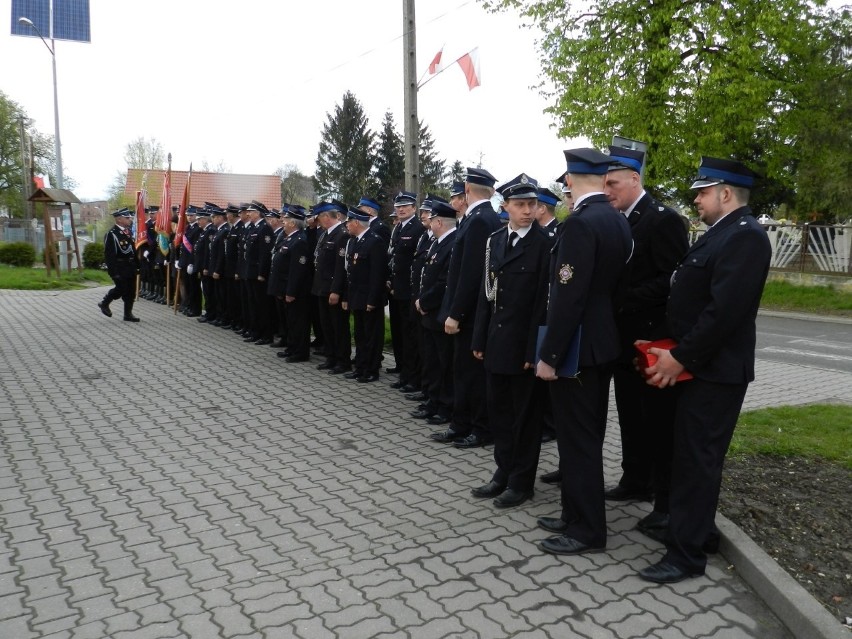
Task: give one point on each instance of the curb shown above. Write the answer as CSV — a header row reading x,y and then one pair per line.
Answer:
x,y
829,319
797,609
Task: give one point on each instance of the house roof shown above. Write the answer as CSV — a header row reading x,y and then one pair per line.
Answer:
x,y
218,188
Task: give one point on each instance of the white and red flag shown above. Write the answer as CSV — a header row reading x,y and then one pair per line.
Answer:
x,y
469,63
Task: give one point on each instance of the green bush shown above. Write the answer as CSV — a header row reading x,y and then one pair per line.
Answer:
x,y
93,255
17,254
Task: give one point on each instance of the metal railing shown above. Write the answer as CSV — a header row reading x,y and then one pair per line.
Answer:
x,y
806,248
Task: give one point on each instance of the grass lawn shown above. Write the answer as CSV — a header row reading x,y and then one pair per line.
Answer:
x,y
823,300
816,430
36,279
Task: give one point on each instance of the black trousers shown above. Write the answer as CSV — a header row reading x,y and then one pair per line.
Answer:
x,y
264,309
247,306
281,328
234,302
514,417
338,337
396,330
405,324
316,322
298,324
706,415
369,340
579,410
470,412
207,288
125,290
438,371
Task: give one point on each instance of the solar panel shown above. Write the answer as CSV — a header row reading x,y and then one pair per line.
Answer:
x,y
70,19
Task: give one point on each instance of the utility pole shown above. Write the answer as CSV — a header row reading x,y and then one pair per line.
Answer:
x,y
412,123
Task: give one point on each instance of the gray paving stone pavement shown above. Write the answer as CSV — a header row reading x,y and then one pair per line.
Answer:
x,y
137,504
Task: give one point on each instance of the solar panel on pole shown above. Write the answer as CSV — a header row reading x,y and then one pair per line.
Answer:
x,y
71,19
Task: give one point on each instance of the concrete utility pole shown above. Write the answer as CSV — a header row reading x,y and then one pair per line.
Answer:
x,y
412,124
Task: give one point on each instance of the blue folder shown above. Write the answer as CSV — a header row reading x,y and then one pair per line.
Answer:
x,y
570,365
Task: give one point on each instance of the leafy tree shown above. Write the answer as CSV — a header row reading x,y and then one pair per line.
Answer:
x,y
389,165
432,168
690,77
296,188
345,157
140,153
12,171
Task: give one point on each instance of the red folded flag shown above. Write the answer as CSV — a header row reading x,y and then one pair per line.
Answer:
x,y
646,359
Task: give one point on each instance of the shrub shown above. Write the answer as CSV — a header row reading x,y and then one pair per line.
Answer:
x,y
93,255
17,254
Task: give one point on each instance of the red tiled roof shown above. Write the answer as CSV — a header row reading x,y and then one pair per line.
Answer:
x,y
218,188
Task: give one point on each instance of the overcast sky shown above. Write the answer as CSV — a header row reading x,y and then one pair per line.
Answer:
x,y
249,83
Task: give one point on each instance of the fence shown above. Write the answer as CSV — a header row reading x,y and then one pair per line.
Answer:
x,y
807,248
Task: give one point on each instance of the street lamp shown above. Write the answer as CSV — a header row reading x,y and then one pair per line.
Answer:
x,y
56,141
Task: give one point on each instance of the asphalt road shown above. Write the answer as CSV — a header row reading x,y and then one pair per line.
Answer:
x,y
819,344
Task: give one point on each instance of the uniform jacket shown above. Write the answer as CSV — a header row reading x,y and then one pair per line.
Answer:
x,y
290,271
433,285
232,249
659,243
190,236
467,263
714,297
366,267
551,229
331,248
588,263
120,254
420,252
381,229
218,246
506,330
258,242
201,251
403,244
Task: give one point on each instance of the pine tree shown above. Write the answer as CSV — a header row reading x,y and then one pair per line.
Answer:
x,y
345,157
456,174
432,169
389,168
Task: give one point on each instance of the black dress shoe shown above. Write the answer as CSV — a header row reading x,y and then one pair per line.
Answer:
x,y
263,341
325,366
416,397
564,545
367,379
131,318
446,436
352,375
665,573
339,370
295,359
278,344
623,493
472,441
655,526
392,371
553,477
216,322
552,524
226,326
203,319
437,420
408,388
511,498
397,385
491,489
422,413
105,309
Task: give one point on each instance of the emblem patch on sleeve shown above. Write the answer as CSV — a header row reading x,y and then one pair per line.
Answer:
x,y
341,252
566,272
302,260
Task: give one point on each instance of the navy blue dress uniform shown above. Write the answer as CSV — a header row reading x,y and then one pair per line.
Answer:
x,y
711,310
145,255
279,315
216,266
366,297
551,228
232,279
258,258
437,346
470,420
377,226
403,321
548,197
589,263
512,306
330,278
190,284
314,233
200,262
122,265
645,414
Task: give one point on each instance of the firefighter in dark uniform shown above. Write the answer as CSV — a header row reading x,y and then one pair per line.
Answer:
x,y
417,262
216,265
258,254
122,265
512,306
711,310
589,262
437,344
370,206
645,414
330,284
158,264
276,306
246,316
201,261
470,419
314,234
403,321
230,284
290,282
366,294
145,255
190,284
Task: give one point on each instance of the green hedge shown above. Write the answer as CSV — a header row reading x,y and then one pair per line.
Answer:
x,y
93,255
17,254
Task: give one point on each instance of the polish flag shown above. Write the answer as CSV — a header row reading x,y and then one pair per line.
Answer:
x,y
435,65
469,63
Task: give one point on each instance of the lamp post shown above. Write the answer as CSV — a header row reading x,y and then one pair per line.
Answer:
x,y
56,140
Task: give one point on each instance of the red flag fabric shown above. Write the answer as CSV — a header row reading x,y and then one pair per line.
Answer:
x,y
469,63
435,65
184,204
163,223
39,181
141,229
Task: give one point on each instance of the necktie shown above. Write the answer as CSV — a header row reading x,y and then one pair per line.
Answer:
x,y
511,243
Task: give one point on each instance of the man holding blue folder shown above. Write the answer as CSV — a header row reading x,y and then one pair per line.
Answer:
x,y
588,263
